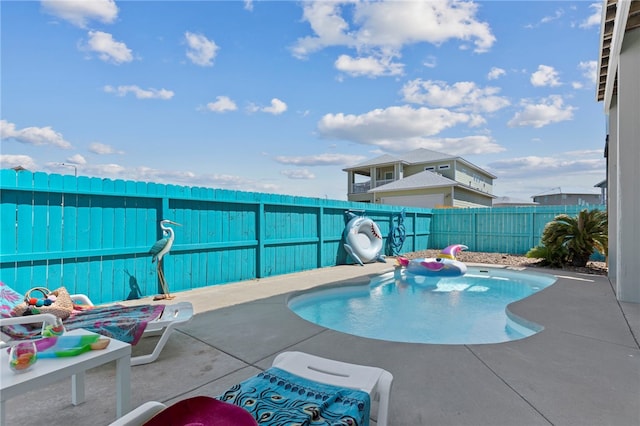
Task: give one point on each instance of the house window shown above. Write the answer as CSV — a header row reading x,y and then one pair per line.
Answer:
x,y
388,175
430,168
443,167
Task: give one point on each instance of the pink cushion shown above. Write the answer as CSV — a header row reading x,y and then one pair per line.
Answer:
x,y
202,411
9,299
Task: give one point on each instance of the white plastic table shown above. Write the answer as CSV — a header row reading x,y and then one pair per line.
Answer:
x,y
50,370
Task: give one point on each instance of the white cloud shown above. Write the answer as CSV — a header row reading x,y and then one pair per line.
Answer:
x,y
559,13
76,159
468,145
392,124
589,71
222,104
321,160
368,66
329,27
562,163
139,93
463,95
476,120
401,129
530,175
248,5
585,153
177,177
233,182
595,18
79,12
545,76
107,48
113,171
277,107
298,174
103,149
430,62
547,111
375,25
201,51
495,73
429,21
33,135
546,19
8,161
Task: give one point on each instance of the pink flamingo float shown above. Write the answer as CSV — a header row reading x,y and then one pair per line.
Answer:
x,y
445,265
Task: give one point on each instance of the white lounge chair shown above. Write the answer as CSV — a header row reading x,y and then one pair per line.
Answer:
x,y
375,381
172,315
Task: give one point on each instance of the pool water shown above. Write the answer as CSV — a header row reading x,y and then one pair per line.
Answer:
x,y
403,307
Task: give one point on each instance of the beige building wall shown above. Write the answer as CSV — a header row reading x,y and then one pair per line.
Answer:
x,y
464,198
445,192
473,179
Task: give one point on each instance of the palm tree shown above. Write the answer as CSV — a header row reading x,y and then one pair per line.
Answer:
x,y
579,235
555,257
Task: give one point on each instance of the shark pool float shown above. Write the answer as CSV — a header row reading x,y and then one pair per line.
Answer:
x,y
363,240
445,265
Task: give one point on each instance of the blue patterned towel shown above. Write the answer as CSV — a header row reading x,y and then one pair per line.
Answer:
x,y
276,397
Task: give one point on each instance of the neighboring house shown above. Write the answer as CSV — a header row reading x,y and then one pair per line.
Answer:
x,y
420,178
603,191
619,91
569,196
511,202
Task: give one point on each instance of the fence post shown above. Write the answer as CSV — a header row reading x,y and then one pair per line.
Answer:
x,y
474,229
319,220
261,237
532,229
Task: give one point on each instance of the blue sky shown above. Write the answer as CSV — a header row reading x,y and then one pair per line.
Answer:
x,y
280,96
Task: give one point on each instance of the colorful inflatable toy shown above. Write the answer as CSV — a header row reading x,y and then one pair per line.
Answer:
x,y
445,265
363,240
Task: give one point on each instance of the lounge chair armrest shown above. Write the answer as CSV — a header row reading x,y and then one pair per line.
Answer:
x,y
81,299
29,319
140,415
325,370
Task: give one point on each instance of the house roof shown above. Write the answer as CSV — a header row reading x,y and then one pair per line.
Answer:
x,y
423,155
424,179
417,156
377,161
627,14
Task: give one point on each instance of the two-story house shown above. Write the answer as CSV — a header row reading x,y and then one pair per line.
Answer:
x,y
420,178
569,196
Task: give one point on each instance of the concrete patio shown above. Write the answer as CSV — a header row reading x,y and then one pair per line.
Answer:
x,y
582,369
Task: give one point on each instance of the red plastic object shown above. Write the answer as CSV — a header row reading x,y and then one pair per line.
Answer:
x,y
202,410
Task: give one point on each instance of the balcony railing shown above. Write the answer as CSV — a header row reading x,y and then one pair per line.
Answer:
x,y
361,187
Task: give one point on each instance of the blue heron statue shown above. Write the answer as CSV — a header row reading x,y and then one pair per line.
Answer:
x,y
158,251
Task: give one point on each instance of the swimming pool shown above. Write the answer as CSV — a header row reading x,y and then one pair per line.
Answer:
x,y
402,307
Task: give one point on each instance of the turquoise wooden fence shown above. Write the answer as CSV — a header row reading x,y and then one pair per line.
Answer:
x,y
512,230
93,235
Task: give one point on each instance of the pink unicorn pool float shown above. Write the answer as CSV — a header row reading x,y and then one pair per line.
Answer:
x,y
445,265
